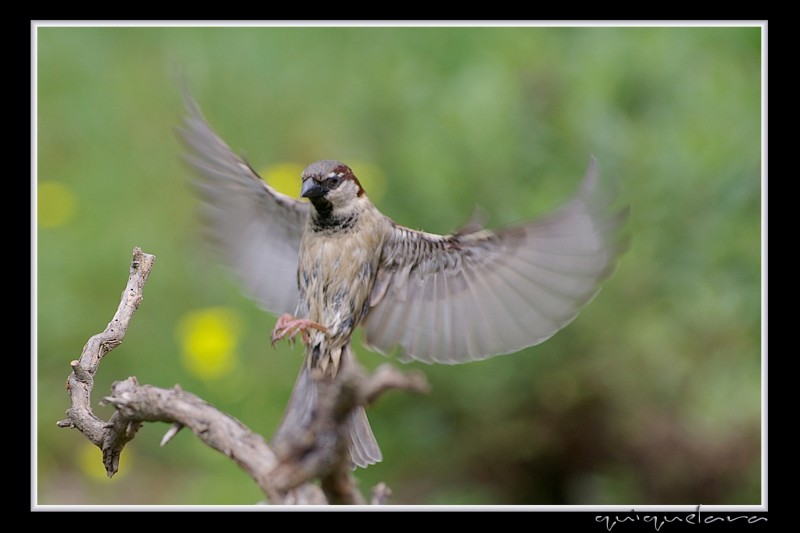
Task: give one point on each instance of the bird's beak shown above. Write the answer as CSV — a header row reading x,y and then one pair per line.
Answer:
x,y
312,189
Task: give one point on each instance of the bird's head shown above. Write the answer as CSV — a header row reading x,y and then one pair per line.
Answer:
x,y
331,186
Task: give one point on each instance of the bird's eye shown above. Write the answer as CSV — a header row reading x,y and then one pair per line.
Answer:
x,y
334,181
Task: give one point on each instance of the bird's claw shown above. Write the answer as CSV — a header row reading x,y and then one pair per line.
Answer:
x,y
290,326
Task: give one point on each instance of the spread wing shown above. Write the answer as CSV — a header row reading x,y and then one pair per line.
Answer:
x,y
254,229
478,293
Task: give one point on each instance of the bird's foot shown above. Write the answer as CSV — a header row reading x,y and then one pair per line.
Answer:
x,y
289,327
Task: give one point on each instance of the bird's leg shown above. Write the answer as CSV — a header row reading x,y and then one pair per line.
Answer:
x,y
289,326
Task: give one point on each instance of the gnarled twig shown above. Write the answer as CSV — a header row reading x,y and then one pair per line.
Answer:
x,y
318,452
109,436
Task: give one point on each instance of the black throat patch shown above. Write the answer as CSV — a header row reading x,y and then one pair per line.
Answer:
x,y
325,220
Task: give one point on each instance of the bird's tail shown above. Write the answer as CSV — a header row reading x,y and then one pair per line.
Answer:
x,y
364,449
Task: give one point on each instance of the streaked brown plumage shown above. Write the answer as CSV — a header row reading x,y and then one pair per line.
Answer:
x,y
337,263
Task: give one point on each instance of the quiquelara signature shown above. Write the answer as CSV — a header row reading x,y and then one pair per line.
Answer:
x,y
659,519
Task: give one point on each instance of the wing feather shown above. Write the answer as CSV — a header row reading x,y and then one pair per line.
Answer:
x,y
478,293
253,228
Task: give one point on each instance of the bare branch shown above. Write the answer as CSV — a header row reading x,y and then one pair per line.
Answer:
x,y
109,437
321,451
136,404
145,403
285,474
385,378
170,434
380,494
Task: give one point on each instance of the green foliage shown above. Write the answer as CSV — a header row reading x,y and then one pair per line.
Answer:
x,y
652,396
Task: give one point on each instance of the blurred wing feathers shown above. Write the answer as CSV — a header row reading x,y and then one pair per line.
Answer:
x,y
475,294
254,229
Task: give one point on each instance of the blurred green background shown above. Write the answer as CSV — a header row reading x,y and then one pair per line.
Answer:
x,y
652,396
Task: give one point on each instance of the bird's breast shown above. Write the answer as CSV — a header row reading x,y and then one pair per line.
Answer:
x,y
336,275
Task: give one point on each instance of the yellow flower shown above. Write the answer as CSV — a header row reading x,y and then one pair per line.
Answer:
x,y
208,339
55,204
284,177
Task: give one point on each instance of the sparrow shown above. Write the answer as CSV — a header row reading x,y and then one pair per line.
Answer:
x,y
334,263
